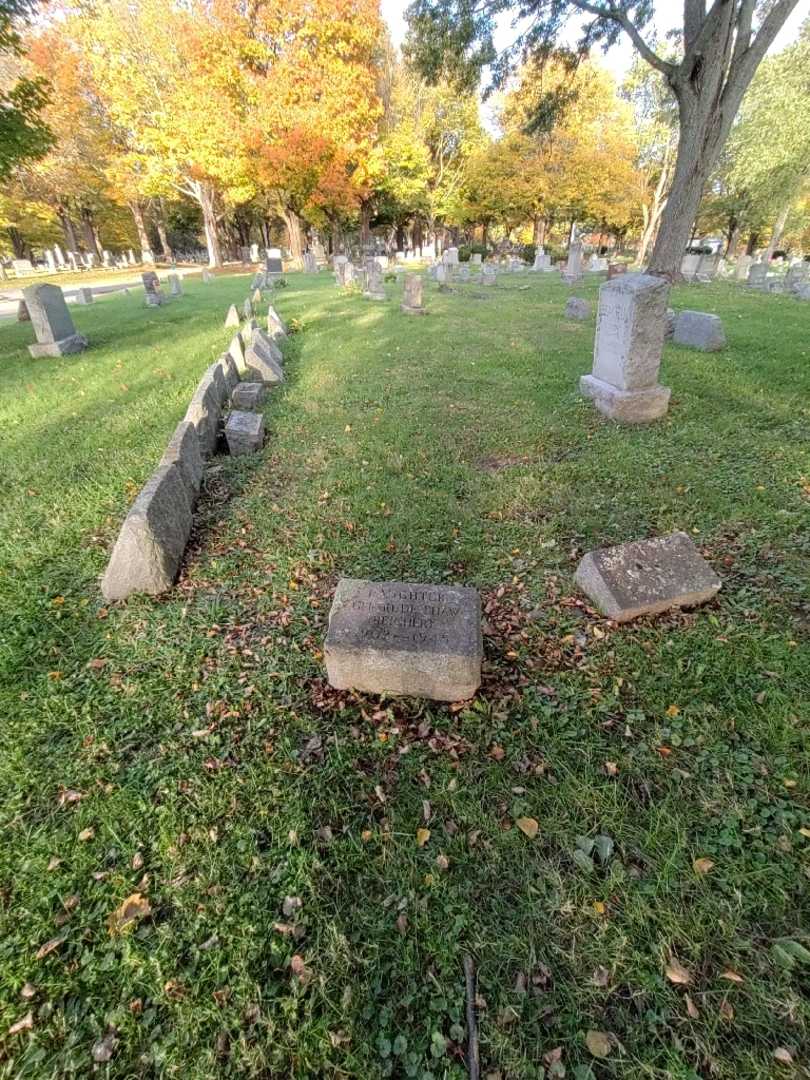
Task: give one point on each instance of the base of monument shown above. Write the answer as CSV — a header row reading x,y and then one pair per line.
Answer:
x,y
73,344
626,406
373,296
572,279
412,310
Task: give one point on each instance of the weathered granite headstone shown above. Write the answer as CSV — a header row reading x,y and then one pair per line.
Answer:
x,y
207,277
232,318
375,289
802,292
84,296
399,638
254,252
689,265
796,276
573,268
630,327
707,267
742,267
700,331
577,308
475,258
236,351
489,275
443,272
645,577
247,308
261,362
230,372
244,433
412,304
275,324
22,267
175,285
147,553
463,271
184,451
248,396
151,284
22,312
450,256
758,276
50,259
272,262
310,265
257,296
56,335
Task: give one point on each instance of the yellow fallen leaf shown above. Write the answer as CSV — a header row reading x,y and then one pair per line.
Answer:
x,y
673,710
422,837
25,1024
805,833
691,1008
528,826
703,865
87,834
135,907
598,1042
599,907
677,973
732,976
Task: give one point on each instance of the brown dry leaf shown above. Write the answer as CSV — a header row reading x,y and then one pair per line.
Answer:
x,y
600,977
783,1055
691,1008
442,862
726,1009
732,976
48,947
422,837
97,664
402,924
133,909
300,970
611,768
291,905
87,834
528,826
54,862
677,973
103,1049
69,795
25,1024
497,753
703,865
598,1042
137,861
28,991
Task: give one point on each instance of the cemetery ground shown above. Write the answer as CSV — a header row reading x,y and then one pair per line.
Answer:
x,y
615,828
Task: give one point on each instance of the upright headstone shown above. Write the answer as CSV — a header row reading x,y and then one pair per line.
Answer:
x,y
475,258
22,267
443,277
573,268
450,256
50,259
254,253
758,276
175,285
412,304
700,331
232,318
689,266
395,637
247,308
84,296
273,263
60,258
489,275
310,265
631,323
151,284
50,318
742,267
374,289
542,262
131,257
147,257
106,258
207,277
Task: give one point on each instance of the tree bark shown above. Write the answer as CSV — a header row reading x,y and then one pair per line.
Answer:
x,y
776,235
207,200
293,223
160,225
365,224
89,232
733,238
140,226
67,228
18,245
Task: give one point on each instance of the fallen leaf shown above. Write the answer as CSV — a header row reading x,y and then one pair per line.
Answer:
x,y
598,1042
691,1008
528,826
732,976
25,1024
28,991
703,865
97,664
442,862
422,837
677,973
673,710
53,862
611,768
600,977
87,834
69,795
726,1010
300,970
783,1056
402,924
599,907
48,947
497,753
134,908
291,905
137,861
103,1049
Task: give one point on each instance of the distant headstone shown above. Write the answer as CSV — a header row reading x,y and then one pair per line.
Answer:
x,y
450,256
707,267
244,433
689,266
310,264
700,331
758,276
577,308
56,335
207,277
742,267
272,262
84,296
22,312
631,322
106,258
616,270
374,289
248,395
796,276
412,304
257,296
131,257
247,307
573,268
236,351
22,267
463,271
151,284
254,253
489,275
475,258
542,262
646,577
232,318
175,285
400,638
147,553
147,257
50,259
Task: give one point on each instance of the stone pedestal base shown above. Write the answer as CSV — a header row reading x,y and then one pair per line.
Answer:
x,y
73,344
626,406
373,296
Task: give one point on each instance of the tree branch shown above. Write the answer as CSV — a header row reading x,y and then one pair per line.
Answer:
x,y
617,16
747,60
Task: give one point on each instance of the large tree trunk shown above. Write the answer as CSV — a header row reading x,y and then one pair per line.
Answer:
x,y
733,238
207,200
539,230
67,228
18,244
776,235
140,226
365,224
89,232
160,225
293,223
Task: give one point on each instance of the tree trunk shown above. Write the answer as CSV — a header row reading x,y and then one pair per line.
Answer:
x,y
334,238
18,245
89,232
67,228
539,230
140,225
485,234
400,234
160,225
365,224
417,236
733,238
293,223
751,246
776,235
207,200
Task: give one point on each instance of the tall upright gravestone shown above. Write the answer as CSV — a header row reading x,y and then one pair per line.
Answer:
x,y
630,328
53,325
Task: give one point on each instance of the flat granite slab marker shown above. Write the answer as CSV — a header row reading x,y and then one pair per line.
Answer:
x,y
644,577
244,433
248,396
394,637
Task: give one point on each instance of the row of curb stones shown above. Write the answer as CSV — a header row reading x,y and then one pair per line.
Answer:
x,y
147,553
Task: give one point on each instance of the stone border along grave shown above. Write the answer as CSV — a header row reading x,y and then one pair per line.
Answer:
x,y
147,554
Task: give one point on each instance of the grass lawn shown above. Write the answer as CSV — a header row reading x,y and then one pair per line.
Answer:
x,y
189,749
